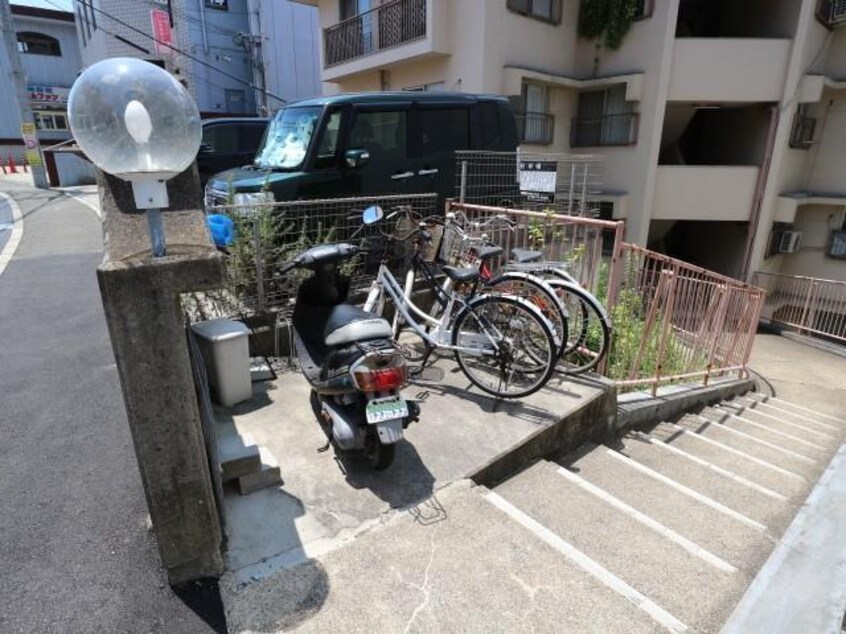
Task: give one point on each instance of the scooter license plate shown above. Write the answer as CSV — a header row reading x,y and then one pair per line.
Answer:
x,y
380,411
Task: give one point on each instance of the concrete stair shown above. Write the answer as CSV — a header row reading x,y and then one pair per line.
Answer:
x,y
663,531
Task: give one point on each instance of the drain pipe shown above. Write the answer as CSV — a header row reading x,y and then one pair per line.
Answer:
x,y
203,26
760,186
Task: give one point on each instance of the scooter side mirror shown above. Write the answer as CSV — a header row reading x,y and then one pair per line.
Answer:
x,y
372,215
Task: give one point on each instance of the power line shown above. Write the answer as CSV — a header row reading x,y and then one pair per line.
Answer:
x,y
177,50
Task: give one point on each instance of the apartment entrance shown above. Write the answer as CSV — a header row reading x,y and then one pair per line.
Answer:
x,y
715,245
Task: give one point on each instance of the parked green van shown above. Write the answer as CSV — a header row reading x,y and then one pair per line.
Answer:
x,y
367,144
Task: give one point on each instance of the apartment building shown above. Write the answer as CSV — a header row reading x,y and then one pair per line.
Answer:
x,y
49,55
722,123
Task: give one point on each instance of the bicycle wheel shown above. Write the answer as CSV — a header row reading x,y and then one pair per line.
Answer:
x,y
538,293
589,336
508,346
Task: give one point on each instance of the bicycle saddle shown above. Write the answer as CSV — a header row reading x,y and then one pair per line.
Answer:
x,y
526,255
470,274
486,252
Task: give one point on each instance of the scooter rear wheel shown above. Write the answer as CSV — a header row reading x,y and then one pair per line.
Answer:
x,y
379,456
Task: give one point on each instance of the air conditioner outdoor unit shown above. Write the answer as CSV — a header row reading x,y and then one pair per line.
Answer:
x,y
789,241
838,12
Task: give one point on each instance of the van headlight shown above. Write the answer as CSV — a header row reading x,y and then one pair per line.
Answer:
x,y
253,198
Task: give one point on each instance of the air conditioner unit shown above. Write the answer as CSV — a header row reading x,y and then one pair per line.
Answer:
x,y
838,12
790,241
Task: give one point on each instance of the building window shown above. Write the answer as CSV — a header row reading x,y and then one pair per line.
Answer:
x,y
643,9
218,5
546,10
802,134
536,124
604,118
50,120
434,87
351,8
38,44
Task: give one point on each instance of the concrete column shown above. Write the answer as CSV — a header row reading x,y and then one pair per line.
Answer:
x,y
141,301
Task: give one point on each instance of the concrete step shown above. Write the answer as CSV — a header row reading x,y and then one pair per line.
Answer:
x,y
239,455
730,534
691,583
740,494
473,566
734,433
729,457
799,412
784,429
769,412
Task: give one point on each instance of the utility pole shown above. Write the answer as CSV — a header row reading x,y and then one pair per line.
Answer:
x,y
18,81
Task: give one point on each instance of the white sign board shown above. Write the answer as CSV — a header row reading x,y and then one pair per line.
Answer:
x,y
538,177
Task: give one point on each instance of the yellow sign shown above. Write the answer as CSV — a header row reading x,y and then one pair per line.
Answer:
x,y
33,157
27,129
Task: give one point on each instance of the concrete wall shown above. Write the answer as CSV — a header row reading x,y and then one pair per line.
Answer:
x,y
719,69
686,192
816,223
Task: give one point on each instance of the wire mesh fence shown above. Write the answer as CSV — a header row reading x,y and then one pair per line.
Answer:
x,y
269,234
810,305
559,183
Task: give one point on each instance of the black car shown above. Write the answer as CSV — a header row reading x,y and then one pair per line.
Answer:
x,y
228,143
368,144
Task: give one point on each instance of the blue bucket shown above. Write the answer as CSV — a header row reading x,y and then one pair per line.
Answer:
x,y
222,229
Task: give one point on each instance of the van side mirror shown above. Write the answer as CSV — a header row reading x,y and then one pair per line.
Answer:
x,y
356,158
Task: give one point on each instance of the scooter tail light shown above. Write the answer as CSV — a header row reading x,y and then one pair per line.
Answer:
x,y
380,374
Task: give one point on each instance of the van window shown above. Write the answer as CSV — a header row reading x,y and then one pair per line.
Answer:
x,y
383,134
329,141
444,130
490,125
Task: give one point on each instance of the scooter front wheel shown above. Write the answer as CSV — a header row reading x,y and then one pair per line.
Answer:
x,y
379,455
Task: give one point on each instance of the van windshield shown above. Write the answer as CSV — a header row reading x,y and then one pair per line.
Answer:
x,y
287,139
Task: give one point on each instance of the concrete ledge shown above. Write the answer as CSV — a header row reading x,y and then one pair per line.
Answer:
x,y
593,421
638,408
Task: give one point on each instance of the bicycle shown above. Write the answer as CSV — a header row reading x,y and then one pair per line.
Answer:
x,y
589,327
502,343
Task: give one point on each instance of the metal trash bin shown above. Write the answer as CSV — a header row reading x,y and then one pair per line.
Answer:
x,y
225,347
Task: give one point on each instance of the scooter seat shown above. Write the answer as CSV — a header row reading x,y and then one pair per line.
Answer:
x,y
523,256
465,275
347,324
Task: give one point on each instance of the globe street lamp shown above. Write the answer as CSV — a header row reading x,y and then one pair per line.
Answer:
x,y
136,121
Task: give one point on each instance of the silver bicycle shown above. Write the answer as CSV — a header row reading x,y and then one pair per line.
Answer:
x,y
502,343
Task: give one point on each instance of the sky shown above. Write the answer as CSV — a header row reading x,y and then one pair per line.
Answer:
x,y
67,4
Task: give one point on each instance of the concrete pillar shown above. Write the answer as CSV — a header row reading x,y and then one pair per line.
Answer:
x,y
141,301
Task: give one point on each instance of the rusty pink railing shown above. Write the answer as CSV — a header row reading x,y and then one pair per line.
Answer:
x,y
811,305
672,321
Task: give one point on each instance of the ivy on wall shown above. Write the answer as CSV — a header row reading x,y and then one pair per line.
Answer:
x,y
609,19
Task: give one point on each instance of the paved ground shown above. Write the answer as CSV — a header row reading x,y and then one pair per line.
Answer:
x,y
76,555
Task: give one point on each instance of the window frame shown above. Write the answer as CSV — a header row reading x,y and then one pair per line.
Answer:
x,y
516,6
633,121
797,141
41,116
547,134
49,40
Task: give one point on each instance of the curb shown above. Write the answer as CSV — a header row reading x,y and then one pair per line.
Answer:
x,y
14,241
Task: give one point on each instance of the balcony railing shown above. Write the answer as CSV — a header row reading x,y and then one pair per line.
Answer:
x,y
386,26
610,129
536,127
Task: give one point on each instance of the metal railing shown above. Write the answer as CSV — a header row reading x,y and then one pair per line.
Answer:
x,y
609,129
535,181
674,321
536,127
388,25
802,133
811,305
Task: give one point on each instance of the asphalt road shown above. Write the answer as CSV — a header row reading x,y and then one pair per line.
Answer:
x,y
75,553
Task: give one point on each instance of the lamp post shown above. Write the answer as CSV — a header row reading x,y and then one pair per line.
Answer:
x,y
136,121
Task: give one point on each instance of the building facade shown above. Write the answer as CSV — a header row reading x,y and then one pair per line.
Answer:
x,y
226,52
49,54
721,122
